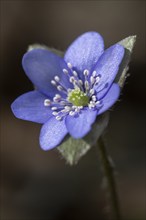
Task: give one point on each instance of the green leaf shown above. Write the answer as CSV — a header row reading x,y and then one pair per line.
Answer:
x,y
128,43
73,149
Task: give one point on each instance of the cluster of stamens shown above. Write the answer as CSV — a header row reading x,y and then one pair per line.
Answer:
x,y
82,95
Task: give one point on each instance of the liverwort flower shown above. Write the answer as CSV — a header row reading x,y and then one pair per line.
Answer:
x,y
71,91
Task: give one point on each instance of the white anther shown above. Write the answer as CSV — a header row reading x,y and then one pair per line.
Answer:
x,y
57,78
65,71
54,113
86,72
54,108
91,104
67,108
64,110
58,96
77,109
53,83
47,102
98,102
62,103
75,73
92,80
97,79
69,90
69,65
72,79
94,98
86,85
71,113
94,73
80,82
60,88
55,99
58,118
91,91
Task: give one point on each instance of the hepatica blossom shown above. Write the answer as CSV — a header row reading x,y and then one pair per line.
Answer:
x,y
71,91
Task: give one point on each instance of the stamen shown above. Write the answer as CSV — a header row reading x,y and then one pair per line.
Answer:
x,y
98,102
86,72
58,117
68,108
47,102
92,80
64,110
94,98
77,110
72,79
63,103
91,92
91,105
74,82
97,79
57,98
75,73
65,71
69,65
53,83
56,82
71,113
80,82
69,90
54,108
54,113
86,85
94,73
60,88
57,78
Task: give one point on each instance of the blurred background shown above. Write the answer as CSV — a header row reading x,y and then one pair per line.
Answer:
x,y
37,185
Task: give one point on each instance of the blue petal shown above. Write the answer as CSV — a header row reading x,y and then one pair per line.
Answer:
x,y
79,126
85,51
52,133
110,98
41,66
107,67
30,106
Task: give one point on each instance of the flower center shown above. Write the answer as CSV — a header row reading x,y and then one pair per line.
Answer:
x,y
78,97
82,94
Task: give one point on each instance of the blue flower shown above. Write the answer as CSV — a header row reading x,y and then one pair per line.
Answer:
x,y
71,92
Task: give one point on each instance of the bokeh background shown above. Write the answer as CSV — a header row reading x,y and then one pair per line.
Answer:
x,y
37,185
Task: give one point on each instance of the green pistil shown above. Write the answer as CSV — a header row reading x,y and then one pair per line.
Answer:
x,y
78,98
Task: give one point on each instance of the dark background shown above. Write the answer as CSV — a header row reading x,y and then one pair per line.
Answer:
x,y
37,185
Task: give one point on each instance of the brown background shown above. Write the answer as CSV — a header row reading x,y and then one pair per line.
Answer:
x,y
38,185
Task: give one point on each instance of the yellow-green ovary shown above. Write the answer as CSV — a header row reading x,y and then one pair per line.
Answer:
x,y
78,98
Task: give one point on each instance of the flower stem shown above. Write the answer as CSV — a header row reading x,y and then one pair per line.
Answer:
x,y
109,175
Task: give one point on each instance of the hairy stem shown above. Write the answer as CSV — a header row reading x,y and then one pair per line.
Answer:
x,y
109,175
